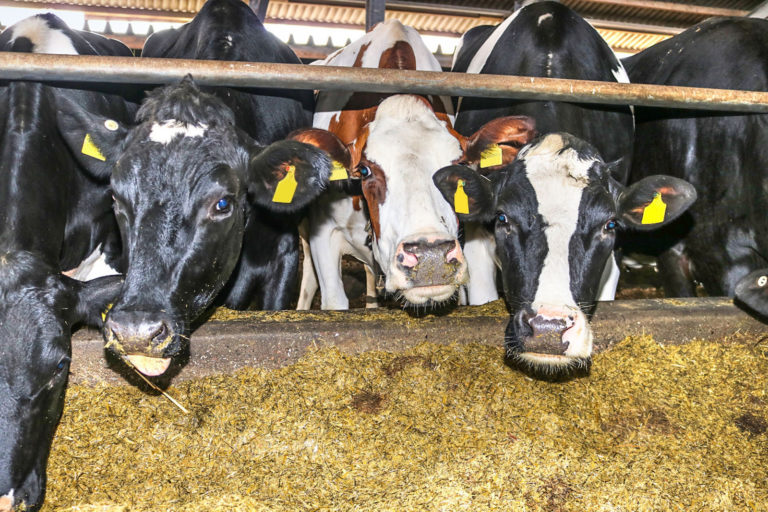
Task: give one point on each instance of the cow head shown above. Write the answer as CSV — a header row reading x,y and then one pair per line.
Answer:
x,y
414,232
752,291
184,180
38,307
556,210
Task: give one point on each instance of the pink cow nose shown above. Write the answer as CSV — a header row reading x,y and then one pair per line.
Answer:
x,y
430,262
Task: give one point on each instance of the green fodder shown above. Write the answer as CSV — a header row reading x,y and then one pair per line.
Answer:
x,y
443,428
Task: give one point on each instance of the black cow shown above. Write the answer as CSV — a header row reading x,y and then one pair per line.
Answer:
x,y
555,212
722,154
544,39
54,212
198,196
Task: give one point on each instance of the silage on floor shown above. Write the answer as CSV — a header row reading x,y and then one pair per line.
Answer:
x,y
435,428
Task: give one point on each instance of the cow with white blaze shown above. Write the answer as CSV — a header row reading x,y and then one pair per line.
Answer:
x,y
206,200
55,213
543,39
400,227
555,212
723,154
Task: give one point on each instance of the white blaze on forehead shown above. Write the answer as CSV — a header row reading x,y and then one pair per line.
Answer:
x,y
410,144
558,177
166,131
44,38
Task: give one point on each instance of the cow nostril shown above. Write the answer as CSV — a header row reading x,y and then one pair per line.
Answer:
x,y
160,334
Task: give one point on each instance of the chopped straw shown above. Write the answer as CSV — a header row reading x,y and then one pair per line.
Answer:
x,y
153,386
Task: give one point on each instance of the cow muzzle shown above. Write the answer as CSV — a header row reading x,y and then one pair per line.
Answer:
x,y
550,338
428,268
6,502
146,341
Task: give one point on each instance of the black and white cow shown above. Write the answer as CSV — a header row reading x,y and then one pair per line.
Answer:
x,y
55,211
723,154
544,39
555,212
205,207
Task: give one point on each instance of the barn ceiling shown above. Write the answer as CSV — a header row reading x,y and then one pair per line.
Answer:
x,y
628,25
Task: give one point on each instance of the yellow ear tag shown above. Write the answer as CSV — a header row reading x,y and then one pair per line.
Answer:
x,y
338,171
286,187
654,212
104,313
460,199
90,149
491,156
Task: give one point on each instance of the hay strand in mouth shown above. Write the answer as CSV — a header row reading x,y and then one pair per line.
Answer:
x,y
153,386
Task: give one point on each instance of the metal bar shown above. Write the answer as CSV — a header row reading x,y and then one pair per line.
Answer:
x,y
80,68
270,339
374,13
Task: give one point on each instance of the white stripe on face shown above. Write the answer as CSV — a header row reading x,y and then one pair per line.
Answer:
x,y
166,131
558,179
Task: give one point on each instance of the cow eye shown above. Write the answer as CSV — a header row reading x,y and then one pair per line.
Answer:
x,y
365,171
502,218
223,206
62,364
610,225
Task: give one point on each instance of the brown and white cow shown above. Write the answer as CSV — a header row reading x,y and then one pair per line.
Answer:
x,y
400,226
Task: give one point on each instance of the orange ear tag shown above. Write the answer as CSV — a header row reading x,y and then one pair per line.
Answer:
x,y
460,199
654,212
338,171
90,149
491,156
286,187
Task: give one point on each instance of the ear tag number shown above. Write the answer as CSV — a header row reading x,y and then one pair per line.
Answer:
x,y
90,149
491,156
654,212
338,171
104,313
286,187
460,199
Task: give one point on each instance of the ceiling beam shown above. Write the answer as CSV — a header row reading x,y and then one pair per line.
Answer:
x,y
761,11
683,8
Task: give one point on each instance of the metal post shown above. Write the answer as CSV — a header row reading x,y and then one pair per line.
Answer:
x,y
87,68
374,13
260,8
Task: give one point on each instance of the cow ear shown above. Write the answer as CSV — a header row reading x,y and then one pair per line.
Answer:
x,y
468,192
95,141
341,159
752,291
655,201
94,298
287,175
497,142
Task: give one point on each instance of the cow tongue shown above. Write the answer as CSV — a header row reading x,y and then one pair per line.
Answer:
x,y
149,366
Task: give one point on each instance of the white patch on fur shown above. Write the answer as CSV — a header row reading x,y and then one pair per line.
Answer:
x,y
166,131
380,39
481,57
44,38
609,279
543,18
95,265
480,253
559,179
410,144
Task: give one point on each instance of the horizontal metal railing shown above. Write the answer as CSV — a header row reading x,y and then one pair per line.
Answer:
x,y
77,68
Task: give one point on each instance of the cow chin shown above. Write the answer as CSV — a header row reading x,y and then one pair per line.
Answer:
x,y
428,295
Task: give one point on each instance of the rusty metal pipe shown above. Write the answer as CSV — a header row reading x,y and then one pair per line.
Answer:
x,y
80,68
